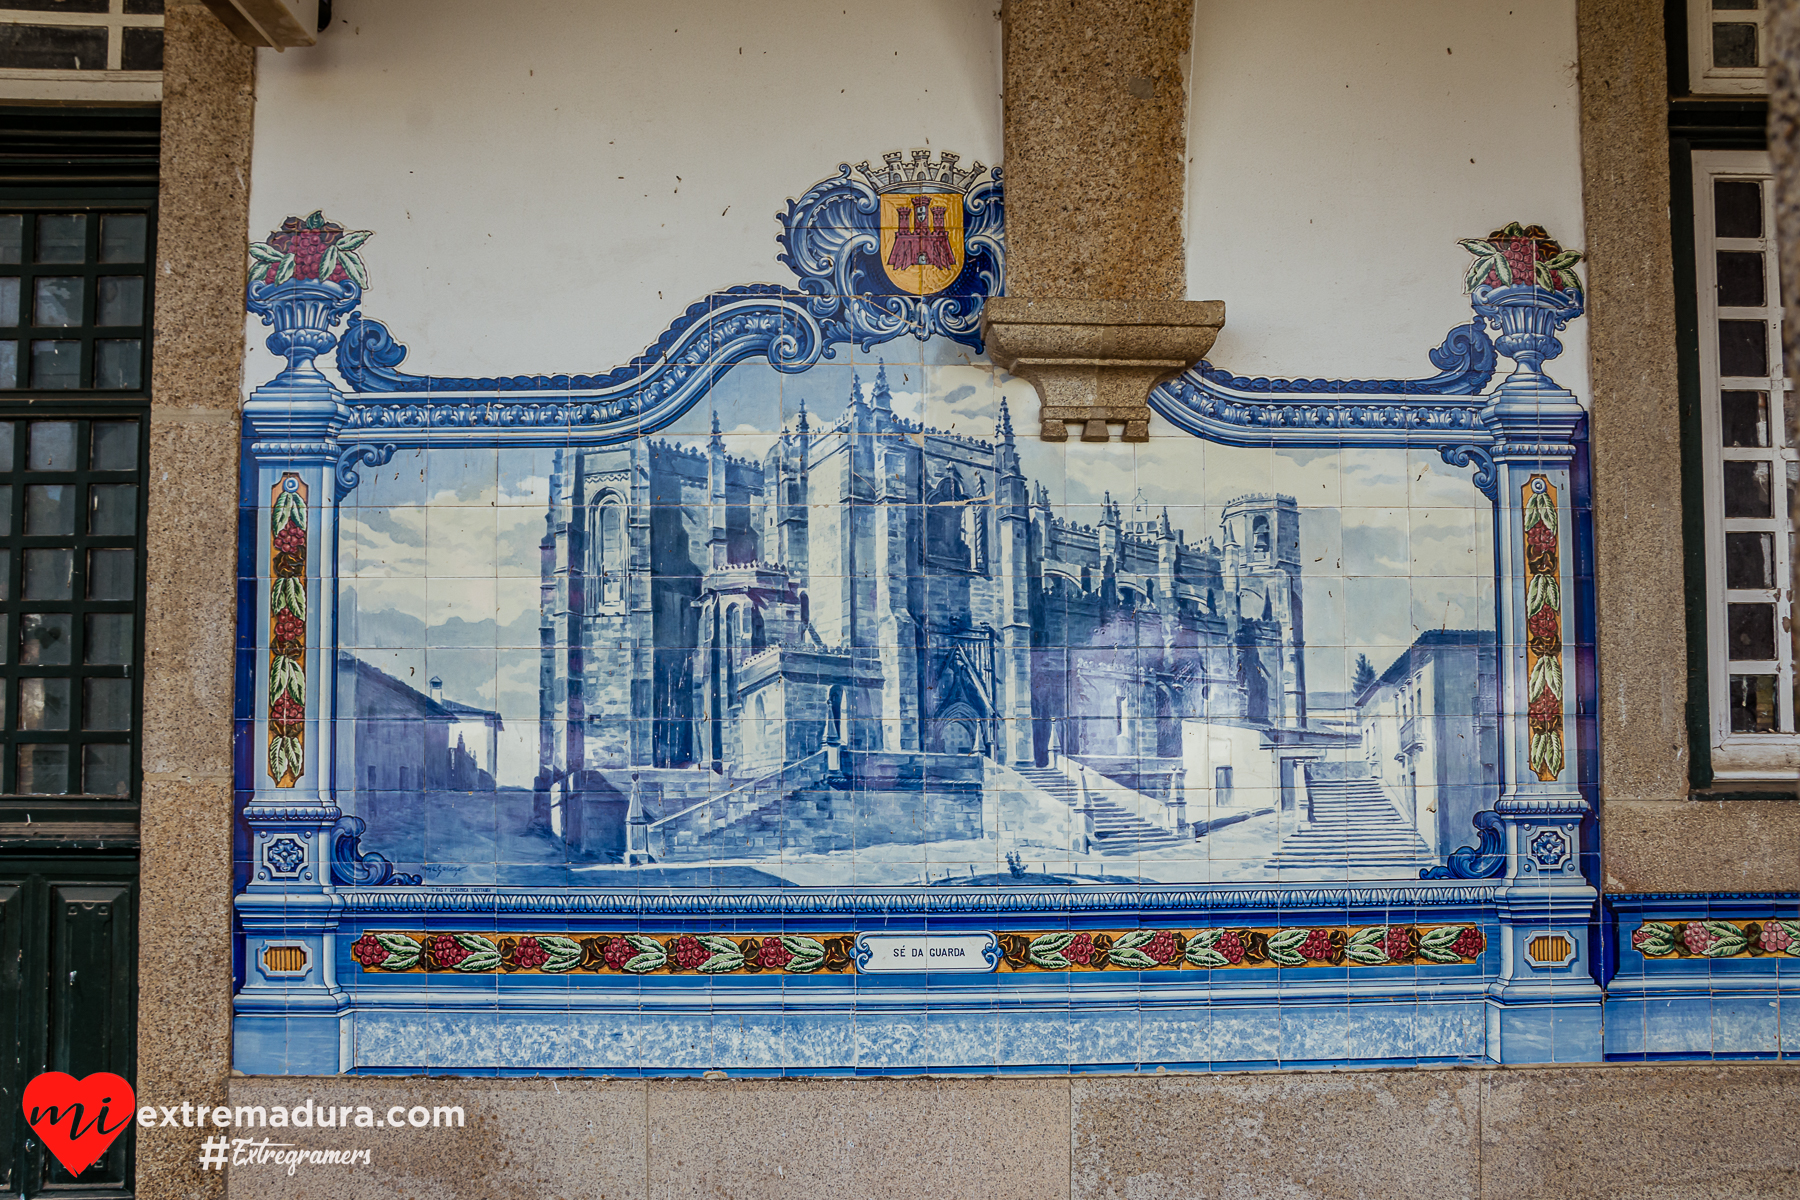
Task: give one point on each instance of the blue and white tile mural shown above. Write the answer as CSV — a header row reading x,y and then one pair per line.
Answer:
x,y
784,672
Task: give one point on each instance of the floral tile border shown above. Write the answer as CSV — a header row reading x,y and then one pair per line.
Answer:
x,y
1061,950
1709,938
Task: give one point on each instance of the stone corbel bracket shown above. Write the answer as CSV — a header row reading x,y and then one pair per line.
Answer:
x,y
1095,361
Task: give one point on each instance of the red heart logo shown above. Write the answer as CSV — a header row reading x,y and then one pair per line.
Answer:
x,y
75,1117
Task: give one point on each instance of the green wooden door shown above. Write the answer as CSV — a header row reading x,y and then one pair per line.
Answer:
x,y
68,983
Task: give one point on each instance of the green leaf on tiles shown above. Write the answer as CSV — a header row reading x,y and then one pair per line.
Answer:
x,y
1284,947
1200,950
316,219
403,952
1661,939
1130,958
1728,939
650,956
285,271
809,953
1540,509
1542,592
1792,929
328,263
565,954
262,252
353,239
1546,753
725,954
1546,675
353,267
1368,946
1046,951
286,678
289,596
289,509
1567,258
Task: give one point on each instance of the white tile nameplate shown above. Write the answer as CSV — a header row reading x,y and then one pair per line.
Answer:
x,y
878,952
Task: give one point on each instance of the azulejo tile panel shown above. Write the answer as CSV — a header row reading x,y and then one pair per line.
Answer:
x,y
781,672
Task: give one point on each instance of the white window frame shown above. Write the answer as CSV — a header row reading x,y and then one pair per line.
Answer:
x,y
1703,77
112,84
1743,756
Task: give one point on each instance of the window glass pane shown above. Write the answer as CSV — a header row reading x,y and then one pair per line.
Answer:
x,y
43,704
124,237
110,574
1734,45
12,238
118,364
43,770
6,446
55,364
1737,208
1744,418
44,639
5,578
6,495
1753,704
115,446
50,510
1750,631
62,239
106,770
144,8
9,364
1743,348
80,6
108,704
121,298
1740,279
1749,560
108,640
1746,489
52,446
1718,5
9,300
49,574
58,301
143,49
53,47
112,509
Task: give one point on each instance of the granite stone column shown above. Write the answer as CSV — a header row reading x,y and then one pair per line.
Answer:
x,y
1096,147
190,609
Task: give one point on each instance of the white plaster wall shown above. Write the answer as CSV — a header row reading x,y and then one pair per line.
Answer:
x,y
1339,148
551,182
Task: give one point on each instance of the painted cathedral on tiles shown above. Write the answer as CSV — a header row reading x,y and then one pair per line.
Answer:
x,y
825,648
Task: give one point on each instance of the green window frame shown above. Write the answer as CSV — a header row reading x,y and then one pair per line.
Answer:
x,y
73,474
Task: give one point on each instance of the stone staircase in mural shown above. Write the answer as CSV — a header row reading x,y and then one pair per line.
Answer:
x,y
1354,825
745,821
1117,830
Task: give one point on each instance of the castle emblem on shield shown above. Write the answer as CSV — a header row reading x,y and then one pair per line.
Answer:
x,y
922,208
